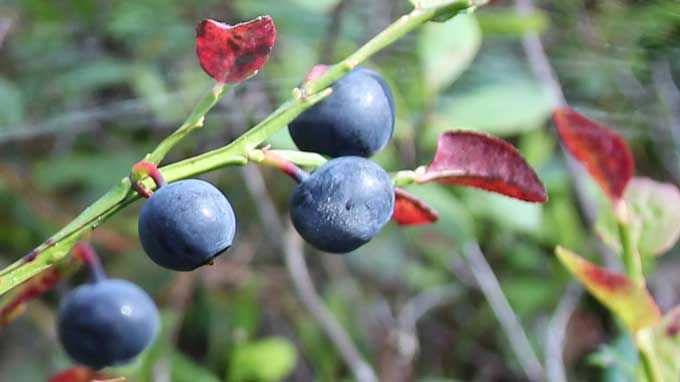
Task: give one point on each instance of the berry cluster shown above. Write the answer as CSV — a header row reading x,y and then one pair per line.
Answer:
x,y
348,200
182,226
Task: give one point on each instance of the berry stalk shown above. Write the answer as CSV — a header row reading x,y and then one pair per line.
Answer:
x,y
88,255
271,159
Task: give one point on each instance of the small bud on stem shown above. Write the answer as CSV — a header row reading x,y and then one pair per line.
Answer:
x,y
139,171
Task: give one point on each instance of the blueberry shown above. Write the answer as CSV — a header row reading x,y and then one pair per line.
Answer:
x,y
186,224
107,323
343,204
356,119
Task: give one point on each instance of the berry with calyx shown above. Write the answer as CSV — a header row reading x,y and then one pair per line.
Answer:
x,y
186,224
343,204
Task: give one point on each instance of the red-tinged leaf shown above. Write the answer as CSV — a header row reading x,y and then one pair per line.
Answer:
x,y
411,210
79,374
13,305
232,53
478,160
616,291
600,149
33,288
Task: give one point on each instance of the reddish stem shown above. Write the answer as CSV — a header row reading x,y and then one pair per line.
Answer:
x,y
316,72
283,164
139,171
32,289
88,255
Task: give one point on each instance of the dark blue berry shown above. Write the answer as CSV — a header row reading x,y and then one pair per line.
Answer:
x,y
356,119
186,224
107,323
343,204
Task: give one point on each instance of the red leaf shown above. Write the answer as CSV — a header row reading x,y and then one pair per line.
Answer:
x,y
473,159
411,210
600,149
232,53
78,374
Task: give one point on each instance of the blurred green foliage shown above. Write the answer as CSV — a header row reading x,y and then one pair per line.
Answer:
x,y
87,87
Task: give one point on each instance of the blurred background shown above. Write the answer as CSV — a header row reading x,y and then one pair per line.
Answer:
x,y
88,87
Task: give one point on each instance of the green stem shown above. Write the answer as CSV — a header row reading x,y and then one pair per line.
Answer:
x,y
300,158
645,344
57,247
396,30
633,264
631,255
193,122
404,178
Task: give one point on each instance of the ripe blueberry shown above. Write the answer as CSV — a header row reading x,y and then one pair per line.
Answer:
x,y
107,323
186,224
343,204
356,119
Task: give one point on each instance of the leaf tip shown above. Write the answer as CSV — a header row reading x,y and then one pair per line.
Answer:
x,y
409,210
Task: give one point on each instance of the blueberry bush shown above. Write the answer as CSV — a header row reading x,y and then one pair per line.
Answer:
x,y
452,196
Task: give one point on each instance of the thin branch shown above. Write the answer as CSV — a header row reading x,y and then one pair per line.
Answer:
x,y
488,283
399,342
5,26
554,345
297,267
417,307
292,246
669,95
538,60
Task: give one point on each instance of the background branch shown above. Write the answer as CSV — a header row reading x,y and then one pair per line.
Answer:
x,y
512,328
556,333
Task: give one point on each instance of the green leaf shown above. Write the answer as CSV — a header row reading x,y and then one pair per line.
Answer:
x,y
446,8
12,105
617,292
447,49
151,87
502,109
317,6
76,170
271,359
655,211
508,23
185,369
514,215
455,219
94,75
530,295
666,345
